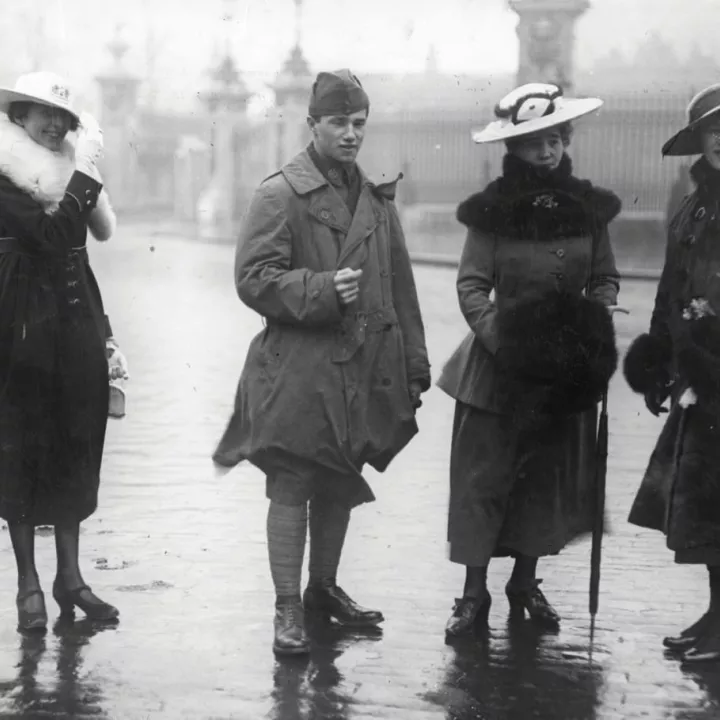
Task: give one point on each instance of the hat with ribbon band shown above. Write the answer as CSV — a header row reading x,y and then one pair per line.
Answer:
x,y
531,108
688,141
40,87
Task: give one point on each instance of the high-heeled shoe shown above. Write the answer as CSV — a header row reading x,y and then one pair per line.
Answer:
x,y
688,637
531,598
31,620
84,598
469,615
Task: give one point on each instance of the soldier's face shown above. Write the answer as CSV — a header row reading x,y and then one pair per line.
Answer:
x,y
711,144
339,136
542,150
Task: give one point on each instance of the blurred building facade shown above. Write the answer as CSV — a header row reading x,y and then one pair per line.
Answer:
x,y
204,166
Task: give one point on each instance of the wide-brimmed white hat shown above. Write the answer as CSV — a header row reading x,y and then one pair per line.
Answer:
x,y
533,107
688,141
40,87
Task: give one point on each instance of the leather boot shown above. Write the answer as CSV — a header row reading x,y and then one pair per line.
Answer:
x,y
532,600
290,637
469,614
326,599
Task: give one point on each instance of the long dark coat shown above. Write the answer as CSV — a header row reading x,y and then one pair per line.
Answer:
x,y
53,367
324,388
680,491
526,241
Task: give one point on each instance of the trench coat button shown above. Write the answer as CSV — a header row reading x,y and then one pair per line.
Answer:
x,y
560,253
383,273
691,239
324,214
316,293
700,213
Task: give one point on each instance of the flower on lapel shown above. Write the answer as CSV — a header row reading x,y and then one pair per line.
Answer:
x,y
546,200
698,308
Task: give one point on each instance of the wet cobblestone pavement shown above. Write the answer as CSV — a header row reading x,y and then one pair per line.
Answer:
x,y
180,548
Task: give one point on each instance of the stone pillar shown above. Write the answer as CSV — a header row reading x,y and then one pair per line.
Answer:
x,y
226,101
119,94
546,31
292,93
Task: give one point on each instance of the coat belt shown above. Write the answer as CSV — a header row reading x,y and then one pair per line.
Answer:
x,y
15,245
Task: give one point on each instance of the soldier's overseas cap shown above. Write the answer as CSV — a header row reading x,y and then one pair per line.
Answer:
x,y
337,93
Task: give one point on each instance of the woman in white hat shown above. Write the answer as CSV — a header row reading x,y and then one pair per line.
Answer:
x,y
679,358
56,349
527,378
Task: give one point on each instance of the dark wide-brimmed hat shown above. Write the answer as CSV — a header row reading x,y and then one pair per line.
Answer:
x,y
688,141
531,108
337,93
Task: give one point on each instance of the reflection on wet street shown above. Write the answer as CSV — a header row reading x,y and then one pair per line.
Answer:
x,y
179,547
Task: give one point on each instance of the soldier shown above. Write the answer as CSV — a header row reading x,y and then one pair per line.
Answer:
x,y
334,380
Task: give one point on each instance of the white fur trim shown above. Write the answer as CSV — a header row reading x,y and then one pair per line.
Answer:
x,y
44,174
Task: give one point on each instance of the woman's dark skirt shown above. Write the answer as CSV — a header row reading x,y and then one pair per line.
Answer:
x,y
53,394
512,494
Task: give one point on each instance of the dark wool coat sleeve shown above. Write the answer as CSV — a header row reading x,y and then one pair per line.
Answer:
x,y
26,219
264,279
604,282
475,282
407,305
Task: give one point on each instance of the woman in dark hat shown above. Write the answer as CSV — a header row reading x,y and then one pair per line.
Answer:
x,y
528,376
56,348
679,358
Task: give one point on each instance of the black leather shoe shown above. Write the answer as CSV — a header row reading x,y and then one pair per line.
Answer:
x,y
695,655
290,637
469,614
532,599
325,599
31,620
688,637
84,598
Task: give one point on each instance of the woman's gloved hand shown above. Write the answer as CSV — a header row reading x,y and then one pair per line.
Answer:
x,y
89,145
117,364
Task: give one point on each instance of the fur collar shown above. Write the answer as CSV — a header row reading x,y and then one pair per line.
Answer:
x,y
523,203
44,174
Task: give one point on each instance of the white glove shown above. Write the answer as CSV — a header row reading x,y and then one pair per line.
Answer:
x,y
688,398
89,145
117,364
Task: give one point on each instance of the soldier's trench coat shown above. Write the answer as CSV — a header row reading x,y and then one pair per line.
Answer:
x,y
324,388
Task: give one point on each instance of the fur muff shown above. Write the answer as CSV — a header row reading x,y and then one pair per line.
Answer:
x,y
556,355
698,359
44,175
646,363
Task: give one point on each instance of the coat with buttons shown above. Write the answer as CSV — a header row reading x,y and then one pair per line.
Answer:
x,y
531,241
53,367
525,239
680,491
324,389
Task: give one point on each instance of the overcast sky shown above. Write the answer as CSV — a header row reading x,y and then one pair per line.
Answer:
x,y
470,36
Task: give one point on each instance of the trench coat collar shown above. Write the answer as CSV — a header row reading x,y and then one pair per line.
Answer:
x,y
326,206
304,177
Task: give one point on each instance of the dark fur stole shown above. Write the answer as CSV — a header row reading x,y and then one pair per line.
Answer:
x,y
524,203
556,355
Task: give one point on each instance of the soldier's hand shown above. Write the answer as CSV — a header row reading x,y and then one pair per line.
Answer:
x,y
347,284
415,390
